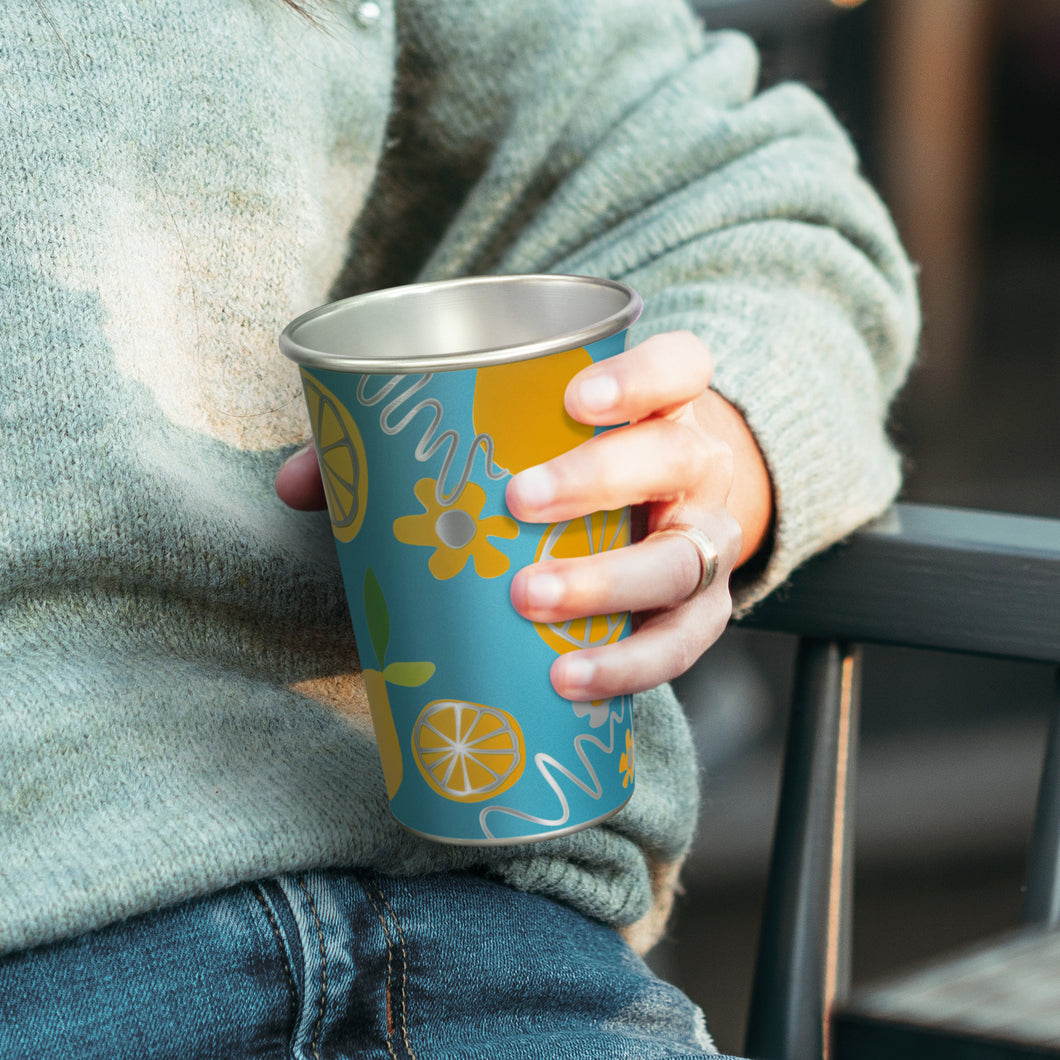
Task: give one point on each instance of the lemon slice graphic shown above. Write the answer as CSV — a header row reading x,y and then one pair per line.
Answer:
x,y
466,751
599,532
342,462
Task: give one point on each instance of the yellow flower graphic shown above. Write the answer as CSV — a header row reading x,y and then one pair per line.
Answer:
x,y
456,533
625,763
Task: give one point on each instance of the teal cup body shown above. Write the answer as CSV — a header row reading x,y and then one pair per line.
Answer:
x,y
423,401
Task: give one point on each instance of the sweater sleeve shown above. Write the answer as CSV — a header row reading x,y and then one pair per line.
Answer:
x,y
622,140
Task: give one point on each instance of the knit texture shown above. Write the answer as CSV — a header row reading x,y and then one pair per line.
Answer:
x,y
180,706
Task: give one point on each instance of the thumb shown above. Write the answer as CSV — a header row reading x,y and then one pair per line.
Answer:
x,y
298,482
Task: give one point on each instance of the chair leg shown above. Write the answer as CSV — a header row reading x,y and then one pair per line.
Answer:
x,y
804,948
1041,904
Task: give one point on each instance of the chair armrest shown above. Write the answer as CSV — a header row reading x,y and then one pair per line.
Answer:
x,y
931,577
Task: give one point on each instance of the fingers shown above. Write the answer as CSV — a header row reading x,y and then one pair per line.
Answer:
x,y
661,374
661,571
658,455
655,577
298,482
657,459
664,646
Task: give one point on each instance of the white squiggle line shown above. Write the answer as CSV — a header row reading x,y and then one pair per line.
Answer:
x,y
594,790
428,445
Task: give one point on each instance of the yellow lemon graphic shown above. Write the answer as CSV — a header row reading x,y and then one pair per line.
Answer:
x,y
342,463
466,751
385,732
599,532
520,405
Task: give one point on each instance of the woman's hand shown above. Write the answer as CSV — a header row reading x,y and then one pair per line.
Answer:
x,y
685,457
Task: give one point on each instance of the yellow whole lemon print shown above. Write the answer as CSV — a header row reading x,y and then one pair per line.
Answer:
x,y
598,532
406,674
520,405
342,462
386,736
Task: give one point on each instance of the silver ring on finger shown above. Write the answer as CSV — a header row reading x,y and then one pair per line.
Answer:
x,y
705,550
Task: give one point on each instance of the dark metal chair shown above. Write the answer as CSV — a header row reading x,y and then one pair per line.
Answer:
x,y
770,15
792,35
922,577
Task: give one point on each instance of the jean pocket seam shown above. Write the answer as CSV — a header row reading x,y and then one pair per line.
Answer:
x,y
318,1025
385,914
277,932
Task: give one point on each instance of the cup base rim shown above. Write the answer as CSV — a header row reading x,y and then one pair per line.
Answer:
x,y
515,840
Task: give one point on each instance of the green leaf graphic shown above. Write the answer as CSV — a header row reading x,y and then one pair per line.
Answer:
x,y
378,617
408,674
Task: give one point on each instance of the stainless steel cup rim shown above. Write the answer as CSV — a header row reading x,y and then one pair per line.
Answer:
x,y
471,322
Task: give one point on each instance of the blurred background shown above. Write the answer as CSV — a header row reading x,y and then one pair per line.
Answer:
x,y
955,108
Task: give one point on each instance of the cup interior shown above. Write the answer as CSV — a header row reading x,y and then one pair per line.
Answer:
x,y
460,323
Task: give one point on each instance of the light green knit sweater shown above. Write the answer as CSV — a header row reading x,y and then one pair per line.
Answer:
x,y
179,705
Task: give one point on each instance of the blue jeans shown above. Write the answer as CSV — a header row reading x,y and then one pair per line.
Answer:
x,y
347,964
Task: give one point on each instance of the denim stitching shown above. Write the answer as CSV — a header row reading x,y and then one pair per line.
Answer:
x,y
287,970
314,1042
389,968
404,972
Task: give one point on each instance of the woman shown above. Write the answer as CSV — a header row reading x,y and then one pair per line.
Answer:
x,y
198,857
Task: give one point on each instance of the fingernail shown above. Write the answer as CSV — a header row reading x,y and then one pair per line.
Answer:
x,y
300,454
598,393
544,590
578,673
535,487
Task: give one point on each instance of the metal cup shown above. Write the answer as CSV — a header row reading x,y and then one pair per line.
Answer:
x,y
423,400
